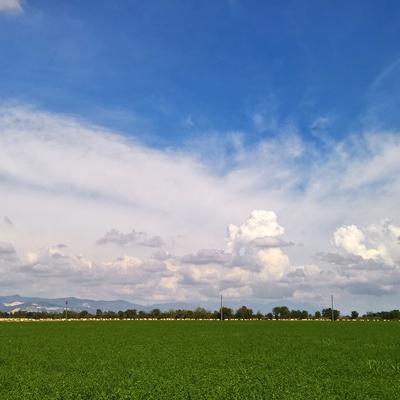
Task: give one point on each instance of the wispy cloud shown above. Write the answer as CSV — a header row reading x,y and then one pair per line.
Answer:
x,y
7,221
129,239
11,6
68,182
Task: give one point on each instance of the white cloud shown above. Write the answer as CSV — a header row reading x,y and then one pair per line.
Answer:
x,y
350,240
11,6
377,241
260,224
366,259
64,181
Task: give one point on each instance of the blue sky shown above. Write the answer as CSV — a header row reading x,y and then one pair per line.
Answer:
x,y
149,127
211,64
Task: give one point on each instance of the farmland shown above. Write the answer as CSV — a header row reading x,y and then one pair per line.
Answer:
x,y
200,360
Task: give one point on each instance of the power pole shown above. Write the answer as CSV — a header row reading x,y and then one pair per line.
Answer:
x,y
221,308
333,318
66,310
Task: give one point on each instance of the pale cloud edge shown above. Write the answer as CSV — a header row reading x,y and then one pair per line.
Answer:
x,y
11,6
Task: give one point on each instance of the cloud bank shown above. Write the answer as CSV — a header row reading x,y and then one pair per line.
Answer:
x,y
313,230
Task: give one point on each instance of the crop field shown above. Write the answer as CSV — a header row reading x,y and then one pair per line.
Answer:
x,y
199,360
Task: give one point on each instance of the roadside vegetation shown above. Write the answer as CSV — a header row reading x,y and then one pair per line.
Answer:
x,y
243,313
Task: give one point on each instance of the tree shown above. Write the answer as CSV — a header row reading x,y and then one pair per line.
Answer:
x,y
131,313
84,314
155,313
244,313
227,313
201,313
304,314
327,313
317,314
354,314
281,312
259,315
295,314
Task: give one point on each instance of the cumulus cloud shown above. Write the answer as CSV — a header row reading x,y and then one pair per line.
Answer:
x,y
7,252
268,241
201,274
11,6
129,239
82,179
260,224
204,256
155,241
242,271
251,265
377,242
366,259
254,244
161,255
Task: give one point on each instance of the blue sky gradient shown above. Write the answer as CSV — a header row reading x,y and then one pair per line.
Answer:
x,y
184,68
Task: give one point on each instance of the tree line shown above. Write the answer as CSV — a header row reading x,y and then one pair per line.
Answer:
x,y
243,313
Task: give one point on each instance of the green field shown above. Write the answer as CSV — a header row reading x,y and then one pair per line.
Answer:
x,y
200,360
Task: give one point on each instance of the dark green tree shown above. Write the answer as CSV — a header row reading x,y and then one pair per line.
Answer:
x,y
244,313
201,313
84,314
295,314
131,313
327,313
354,314
281,312
155,313
227,313
304,314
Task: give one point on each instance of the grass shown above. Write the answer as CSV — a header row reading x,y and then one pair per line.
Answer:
x,y
199,360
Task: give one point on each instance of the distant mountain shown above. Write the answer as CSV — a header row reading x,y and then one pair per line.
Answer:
x,y
38,304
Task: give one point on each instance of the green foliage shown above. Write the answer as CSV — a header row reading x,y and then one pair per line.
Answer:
x,y
281,312
227,313
244,313
199,360
394,314
327,313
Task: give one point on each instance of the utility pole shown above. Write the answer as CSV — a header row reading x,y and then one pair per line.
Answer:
x,y
333,318
221,308
66,310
